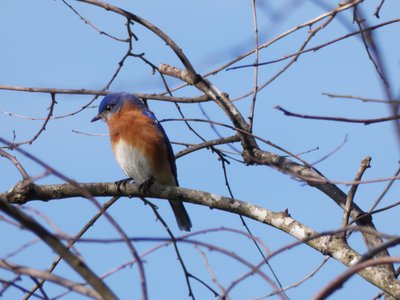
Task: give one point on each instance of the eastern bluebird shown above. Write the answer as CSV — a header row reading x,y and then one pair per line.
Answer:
x,y
140,145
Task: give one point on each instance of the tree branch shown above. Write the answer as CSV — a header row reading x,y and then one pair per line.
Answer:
x,y
365,163
329,245
202,98
338,119
177,50
73,261
252,154
340,280
68,284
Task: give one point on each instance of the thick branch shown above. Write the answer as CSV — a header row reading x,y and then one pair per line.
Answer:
x,y
328,245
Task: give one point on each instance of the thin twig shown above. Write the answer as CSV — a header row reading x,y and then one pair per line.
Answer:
x,y
318,47
311,35
256,47
211,272
331,152
93,26
363,99
16,163
376,57
244,223
296,284
203,98
21,249
177,50
338,119
340,280
365,164
307,24
42,128
378,9
389,185
207,144
174,243
368,41
8,283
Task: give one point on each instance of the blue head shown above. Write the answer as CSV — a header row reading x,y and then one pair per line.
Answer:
x,y
112,103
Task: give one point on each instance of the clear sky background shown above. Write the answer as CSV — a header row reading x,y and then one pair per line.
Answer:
x,y
44,44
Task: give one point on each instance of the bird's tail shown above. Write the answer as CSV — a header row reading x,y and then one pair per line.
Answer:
x,y
181,216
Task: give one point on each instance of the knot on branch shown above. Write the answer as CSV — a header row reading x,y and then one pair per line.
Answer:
x,y
19,193
364,219
249,156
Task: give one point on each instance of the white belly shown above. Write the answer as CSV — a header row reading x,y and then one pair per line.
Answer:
x,y
132,162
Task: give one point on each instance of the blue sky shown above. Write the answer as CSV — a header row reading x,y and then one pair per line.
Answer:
x,y
44,44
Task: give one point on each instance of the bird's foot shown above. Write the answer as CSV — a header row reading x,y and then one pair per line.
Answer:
x,y
122,182
145,186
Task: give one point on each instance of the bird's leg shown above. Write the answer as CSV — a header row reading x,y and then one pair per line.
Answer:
x,y
123,182
145,186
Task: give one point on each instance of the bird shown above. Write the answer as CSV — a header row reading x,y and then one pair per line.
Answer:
x,y
140,146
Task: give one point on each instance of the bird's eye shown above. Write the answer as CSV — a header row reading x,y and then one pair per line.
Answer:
x,y
108,108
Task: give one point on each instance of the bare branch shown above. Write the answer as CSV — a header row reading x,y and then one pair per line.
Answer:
x,y
53,90
335,247
307,24
202,98
92,25
316,48
307,277
16,163
88,225
378,9
363,99
73,261
68,284
256,64
384,191
338,119
212,274
42,128
253,155
177,50
207,144
368,41
365,163
250,148
339,281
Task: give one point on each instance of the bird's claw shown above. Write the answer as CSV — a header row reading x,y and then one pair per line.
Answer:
x,y
122,182
145,186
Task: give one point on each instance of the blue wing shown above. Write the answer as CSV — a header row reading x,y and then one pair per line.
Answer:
x,y
150,115
170,152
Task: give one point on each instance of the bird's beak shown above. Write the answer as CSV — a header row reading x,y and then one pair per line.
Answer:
x,y
96,118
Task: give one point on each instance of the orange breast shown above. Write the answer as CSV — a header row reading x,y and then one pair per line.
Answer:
x,y
136,129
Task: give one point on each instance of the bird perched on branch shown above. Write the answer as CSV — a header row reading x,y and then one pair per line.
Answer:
x,y
140,146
